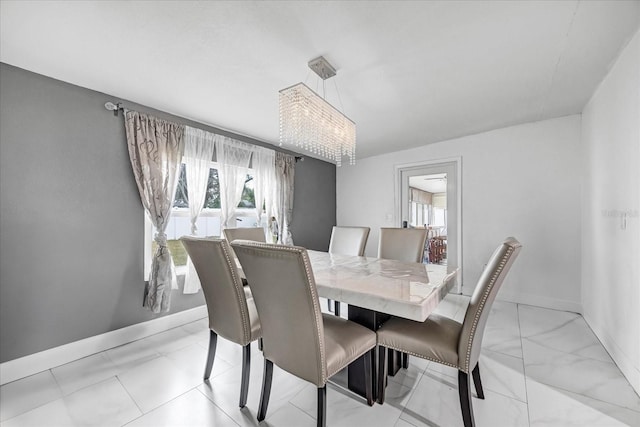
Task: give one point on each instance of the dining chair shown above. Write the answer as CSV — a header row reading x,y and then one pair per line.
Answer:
x,y
247,233
443,340
347,241
402,244
232,311
244,233
436,247
297,336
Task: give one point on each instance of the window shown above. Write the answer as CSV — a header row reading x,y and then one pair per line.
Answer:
x,y
212,199
208,222
420,214
439,217
423,214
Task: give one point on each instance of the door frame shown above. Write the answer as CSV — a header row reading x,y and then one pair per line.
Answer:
x,y
456,162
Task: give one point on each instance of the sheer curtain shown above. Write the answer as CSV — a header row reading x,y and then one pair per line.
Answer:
x,y
264,174
198,154
283,195
155,150
233,164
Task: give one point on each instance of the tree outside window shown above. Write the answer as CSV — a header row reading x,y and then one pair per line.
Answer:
x,y
211,203
212,199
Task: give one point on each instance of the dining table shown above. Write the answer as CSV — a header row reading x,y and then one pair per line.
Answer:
x,y
376,289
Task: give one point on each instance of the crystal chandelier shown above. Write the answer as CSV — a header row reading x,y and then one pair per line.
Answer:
x,y
311,123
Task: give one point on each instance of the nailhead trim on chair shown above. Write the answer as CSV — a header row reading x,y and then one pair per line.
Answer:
x,y
421,356
312,289
472,334
244,310
316,310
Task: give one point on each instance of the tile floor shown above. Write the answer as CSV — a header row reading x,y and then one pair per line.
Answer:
x,y
540,368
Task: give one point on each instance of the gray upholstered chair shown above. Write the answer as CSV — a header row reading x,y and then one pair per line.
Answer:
x,y
402,244
347,241
249,233
443,340
246,233
232,312
297,337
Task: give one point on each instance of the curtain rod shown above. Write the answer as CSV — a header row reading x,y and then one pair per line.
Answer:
x,y
117,107
114,107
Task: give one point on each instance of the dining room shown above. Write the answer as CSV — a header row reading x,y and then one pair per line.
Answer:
x,y
103,316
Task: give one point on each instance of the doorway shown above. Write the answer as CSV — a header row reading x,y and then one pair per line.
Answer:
x,y
428,195
428,209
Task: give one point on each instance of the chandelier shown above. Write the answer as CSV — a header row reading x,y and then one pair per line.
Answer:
x,y
311,123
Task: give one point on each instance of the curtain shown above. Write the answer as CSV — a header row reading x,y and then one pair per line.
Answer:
x,y
440,200
233,159
155,150
420,196
283,196
198,154
263,163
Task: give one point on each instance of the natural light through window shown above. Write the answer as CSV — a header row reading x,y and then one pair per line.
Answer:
x,y
208,222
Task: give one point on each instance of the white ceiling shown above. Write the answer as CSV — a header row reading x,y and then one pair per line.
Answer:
x,y
409,73
436,183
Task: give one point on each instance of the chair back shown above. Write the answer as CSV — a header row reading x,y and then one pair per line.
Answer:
x,y
402,244
484,294
348,240
223,292
284,291
249,233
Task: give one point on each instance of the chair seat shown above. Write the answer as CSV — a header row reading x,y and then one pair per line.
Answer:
x,y
344,342
434,339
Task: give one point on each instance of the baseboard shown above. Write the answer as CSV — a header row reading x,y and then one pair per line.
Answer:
x,y
624,362
47,359
536,300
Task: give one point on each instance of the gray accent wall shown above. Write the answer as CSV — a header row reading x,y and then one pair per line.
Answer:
x,y
314,204
71,220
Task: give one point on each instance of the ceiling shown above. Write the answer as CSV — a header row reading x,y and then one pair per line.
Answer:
x,y
436,183
409,73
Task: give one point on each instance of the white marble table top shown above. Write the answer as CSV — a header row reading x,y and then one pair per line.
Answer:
x,y
409,290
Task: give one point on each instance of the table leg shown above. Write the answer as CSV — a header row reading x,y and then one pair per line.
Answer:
x,y
372,320
395,362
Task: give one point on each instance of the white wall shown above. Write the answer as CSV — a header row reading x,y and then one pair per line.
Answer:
x,y
521,181
611,254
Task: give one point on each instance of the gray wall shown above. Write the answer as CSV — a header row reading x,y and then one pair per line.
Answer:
x,y
71,221
314,204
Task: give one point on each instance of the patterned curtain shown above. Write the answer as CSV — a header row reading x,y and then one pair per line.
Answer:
x,y
283,196
155,150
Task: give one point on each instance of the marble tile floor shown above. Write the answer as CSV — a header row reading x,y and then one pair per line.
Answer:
x,y
540,368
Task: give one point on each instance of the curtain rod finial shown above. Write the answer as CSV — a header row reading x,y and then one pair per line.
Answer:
x,y
113,107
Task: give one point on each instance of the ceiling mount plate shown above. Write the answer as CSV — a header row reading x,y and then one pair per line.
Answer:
x,y
322,68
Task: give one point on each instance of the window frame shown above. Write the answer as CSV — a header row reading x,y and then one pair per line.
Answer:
x,y
182,213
